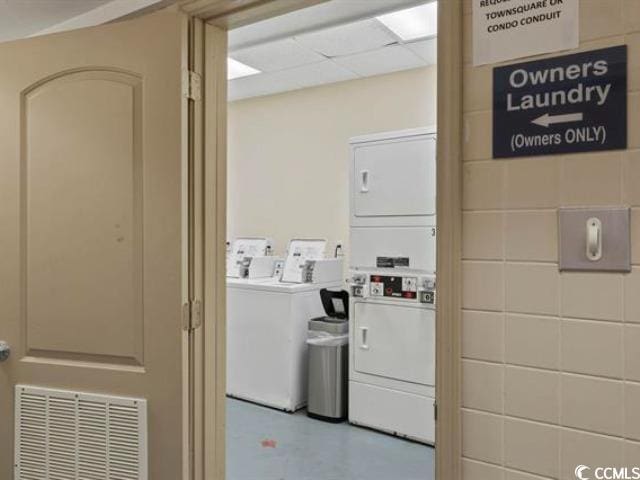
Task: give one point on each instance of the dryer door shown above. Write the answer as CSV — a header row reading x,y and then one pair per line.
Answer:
x,y
395,178
395,341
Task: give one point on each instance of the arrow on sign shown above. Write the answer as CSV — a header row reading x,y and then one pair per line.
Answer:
x,y
546,119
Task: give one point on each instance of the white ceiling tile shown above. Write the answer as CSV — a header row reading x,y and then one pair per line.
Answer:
x,y
323,15
279,55
347,39
261,84
321,73
383,60
425,49
293,79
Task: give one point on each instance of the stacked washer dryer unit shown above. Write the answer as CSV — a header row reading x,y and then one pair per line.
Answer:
x,y
392,270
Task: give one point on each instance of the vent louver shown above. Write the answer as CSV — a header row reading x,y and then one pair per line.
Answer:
x,y
64,435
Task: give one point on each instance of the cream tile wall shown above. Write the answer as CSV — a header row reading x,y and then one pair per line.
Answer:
x,y
288,153
551,361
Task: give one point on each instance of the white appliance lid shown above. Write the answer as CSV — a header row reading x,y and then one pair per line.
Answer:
x,y
273,285
299,251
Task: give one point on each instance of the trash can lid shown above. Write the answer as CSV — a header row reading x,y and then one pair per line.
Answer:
x,y
329,325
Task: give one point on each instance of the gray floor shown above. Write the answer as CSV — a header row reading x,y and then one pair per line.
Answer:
x,y
265,444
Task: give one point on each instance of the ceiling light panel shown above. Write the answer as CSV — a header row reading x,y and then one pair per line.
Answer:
x,y
347,39
384,60
413,23
279,55
236,69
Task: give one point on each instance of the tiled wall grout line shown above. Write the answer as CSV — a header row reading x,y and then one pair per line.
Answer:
x,y
484,462
631,149
507,469
512,210
547,315
548,424
550,370
510,261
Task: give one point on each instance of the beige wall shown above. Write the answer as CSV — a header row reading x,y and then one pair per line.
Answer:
x,y
551,362
288,153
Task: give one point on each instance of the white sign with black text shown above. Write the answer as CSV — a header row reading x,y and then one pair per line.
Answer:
x,y
508,29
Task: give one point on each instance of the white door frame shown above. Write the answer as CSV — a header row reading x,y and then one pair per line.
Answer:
x,y
210,360
449,241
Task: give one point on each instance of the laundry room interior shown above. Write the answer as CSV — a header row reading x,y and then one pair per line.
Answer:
x,y
430,217
331,235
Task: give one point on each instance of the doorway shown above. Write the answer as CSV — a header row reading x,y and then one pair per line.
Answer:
x,y
310,196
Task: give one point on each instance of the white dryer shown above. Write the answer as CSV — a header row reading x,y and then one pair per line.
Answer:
x,y
392,270
392,364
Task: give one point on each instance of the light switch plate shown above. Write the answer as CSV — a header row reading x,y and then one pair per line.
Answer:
x,y
616,239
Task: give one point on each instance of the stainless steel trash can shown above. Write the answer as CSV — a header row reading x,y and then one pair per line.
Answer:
x,y
328,345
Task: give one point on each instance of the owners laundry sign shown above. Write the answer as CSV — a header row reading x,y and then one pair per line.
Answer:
x,y
567,104
507,29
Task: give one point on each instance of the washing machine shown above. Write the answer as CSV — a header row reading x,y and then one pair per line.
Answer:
x,y
267,323
250,257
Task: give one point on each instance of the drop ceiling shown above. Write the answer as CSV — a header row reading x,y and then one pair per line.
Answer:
x,y
327,51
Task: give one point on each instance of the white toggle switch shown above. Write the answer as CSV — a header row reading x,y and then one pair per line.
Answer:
x,y
594,239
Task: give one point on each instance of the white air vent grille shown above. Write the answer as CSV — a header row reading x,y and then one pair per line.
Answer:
x,y
64,435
